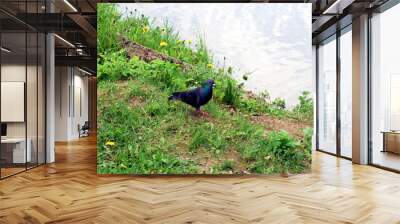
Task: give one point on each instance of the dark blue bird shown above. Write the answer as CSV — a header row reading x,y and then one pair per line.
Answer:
x,y
196,97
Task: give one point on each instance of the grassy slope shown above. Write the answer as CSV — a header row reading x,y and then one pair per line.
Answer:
x,y
153,135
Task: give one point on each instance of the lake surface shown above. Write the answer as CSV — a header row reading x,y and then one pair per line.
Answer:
x,y
273,41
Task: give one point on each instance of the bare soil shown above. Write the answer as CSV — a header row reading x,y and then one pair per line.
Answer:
x,y
293,127
148,54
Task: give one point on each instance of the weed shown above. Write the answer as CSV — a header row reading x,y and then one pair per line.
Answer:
x,y
232,93
207,135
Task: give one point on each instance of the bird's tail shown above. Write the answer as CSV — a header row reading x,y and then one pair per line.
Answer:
x,y
175,96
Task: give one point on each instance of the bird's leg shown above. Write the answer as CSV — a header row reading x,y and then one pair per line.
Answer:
x,y
201,113
198,112
204,113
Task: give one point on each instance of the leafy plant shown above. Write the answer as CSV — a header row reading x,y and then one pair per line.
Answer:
x,y
284,150
279,103
306,105
307,142
116,66
232,93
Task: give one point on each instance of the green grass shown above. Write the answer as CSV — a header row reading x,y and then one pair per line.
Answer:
x,y
141,132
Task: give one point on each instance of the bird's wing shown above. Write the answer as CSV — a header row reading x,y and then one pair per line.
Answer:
x,y
191,97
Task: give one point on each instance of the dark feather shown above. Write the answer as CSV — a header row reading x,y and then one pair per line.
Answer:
x,y
195,97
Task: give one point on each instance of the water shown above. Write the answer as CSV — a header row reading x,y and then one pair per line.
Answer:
x,y
273,41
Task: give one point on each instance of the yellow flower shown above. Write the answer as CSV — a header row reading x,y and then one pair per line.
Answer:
x,y
189,41
163,44
146,29
135,58
110,143
210,65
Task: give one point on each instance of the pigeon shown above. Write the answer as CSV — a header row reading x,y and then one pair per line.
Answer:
x,y
196,97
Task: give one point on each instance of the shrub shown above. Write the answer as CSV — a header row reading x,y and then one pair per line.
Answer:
x,y
284,151
305,106
279,103
307,142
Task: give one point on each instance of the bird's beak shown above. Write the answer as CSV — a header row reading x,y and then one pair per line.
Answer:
x,y
213,85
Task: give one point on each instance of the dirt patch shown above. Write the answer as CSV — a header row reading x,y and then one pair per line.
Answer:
x,y
108,95
203,158
122,83
240,163
148,54
293,127
206,159
202,117
136,101
251,95
209,160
